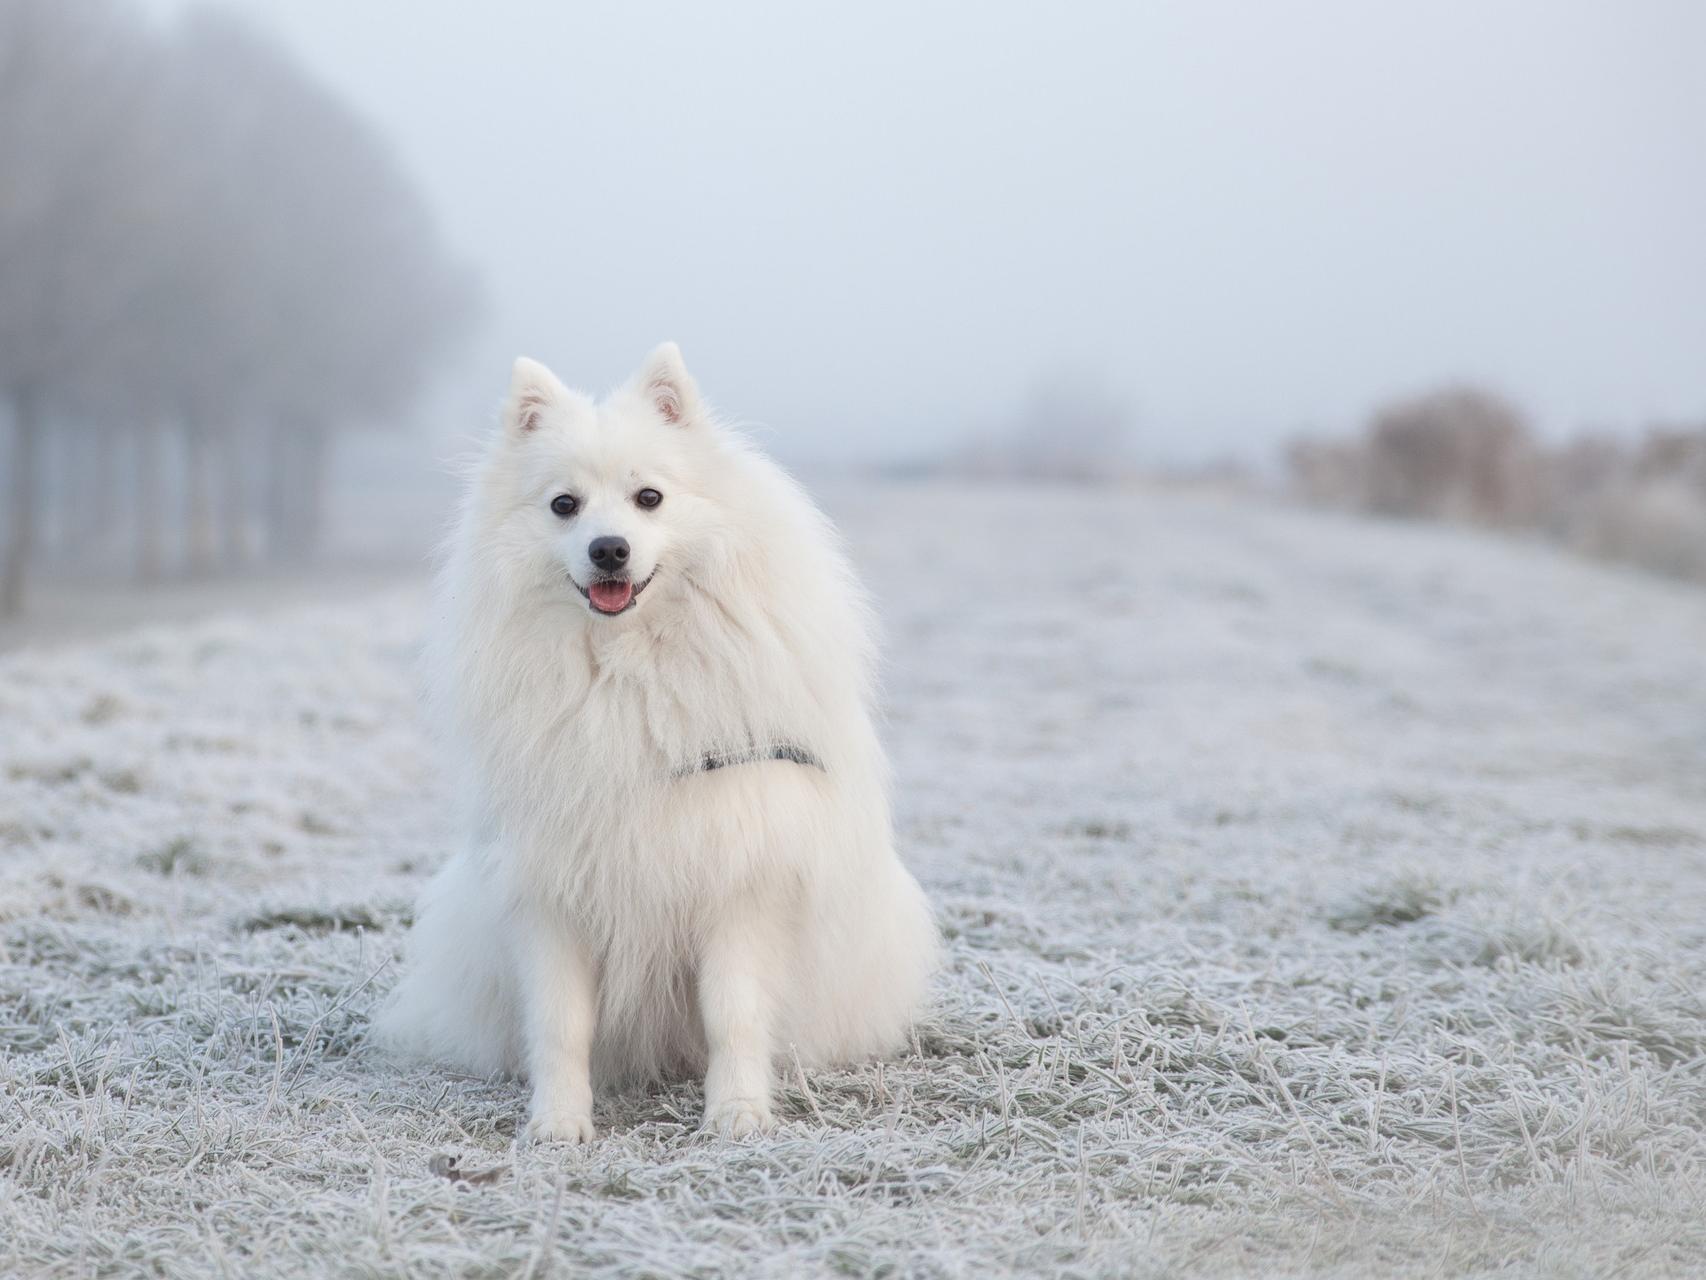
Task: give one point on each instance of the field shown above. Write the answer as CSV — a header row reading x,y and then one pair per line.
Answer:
x,y
1321,897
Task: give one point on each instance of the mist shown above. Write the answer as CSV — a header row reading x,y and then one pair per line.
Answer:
x,y
876,231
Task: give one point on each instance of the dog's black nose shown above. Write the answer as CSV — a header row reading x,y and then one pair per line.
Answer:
x,y
609,554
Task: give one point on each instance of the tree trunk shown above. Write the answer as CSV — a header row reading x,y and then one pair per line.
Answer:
x,y
296,483
92,495
312,488
280,483
57,461
198,490
150,501
21,506
234,500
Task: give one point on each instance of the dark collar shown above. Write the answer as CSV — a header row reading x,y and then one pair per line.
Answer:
x,y
789,751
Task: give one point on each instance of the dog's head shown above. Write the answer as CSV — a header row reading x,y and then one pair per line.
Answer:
x,y
601,496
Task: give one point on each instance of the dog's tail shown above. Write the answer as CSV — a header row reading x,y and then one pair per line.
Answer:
x,y
458,1001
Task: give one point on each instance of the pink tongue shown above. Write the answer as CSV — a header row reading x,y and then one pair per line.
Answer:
x,y
610,597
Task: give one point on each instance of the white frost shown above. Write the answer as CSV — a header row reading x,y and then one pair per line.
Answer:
x,y
1321,897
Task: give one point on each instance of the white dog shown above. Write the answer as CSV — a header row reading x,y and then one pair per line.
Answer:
x,y
656,667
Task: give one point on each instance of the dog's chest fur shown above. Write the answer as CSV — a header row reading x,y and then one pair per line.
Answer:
x,y
589,748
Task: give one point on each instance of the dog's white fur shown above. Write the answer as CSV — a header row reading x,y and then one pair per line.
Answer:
x,y
617,914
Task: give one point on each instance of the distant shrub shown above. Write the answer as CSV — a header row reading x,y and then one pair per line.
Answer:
x,y
1651,508
1658,523
1460,454
1328,473
1467,455
1577,478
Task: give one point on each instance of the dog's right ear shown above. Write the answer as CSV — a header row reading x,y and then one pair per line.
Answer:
x,y
532,389
665,382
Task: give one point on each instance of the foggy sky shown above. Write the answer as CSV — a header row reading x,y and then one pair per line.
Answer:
x,y
875,228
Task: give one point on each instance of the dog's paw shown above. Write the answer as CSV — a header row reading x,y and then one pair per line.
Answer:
x,y
546,1125
737,1117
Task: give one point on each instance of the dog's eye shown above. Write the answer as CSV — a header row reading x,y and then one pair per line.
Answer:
x,y
648,497
564,505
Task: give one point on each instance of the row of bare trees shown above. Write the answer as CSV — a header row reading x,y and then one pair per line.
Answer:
x,y
209,265
1468,455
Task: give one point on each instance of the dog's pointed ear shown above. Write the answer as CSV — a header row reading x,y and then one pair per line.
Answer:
x,y
668,387
532,389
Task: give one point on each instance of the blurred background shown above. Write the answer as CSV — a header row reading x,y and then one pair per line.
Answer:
x,y
263,266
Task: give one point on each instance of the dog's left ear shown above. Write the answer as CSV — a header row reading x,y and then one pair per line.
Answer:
x,y
668,387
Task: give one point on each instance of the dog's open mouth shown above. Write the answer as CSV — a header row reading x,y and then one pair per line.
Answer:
x,y
612,595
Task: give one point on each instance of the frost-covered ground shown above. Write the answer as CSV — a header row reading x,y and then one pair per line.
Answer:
x,y
1321,897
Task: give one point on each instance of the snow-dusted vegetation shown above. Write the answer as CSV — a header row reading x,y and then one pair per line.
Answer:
x,y
1320,897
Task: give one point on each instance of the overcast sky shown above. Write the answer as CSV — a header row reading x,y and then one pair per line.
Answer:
x,y
875,227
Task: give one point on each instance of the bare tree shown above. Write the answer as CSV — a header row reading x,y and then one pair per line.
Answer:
x,y
354,296
205,254
72,73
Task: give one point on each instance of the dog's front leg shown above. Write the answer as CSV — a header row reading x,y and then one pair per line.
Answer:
x,y
561,988
736,1007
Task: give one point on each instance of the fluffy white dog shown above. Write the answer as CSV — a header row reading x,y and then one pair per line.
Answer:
x,y
655,664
